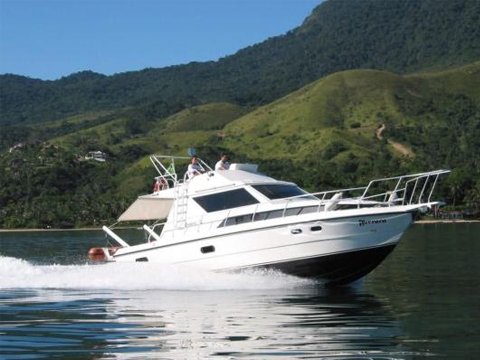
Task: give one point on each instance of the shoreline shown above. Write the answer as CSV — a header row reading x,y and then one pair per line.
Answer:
x,y
447,221
426,221
59,230
47,230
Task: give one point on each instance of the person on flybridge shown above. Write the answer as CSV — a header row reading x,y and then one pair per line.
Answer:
x,y
223,163
194,168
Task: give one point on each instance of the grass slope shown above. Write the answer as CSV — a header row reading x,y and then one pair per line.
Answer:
x,y
334,119
347,108
321,136
171,135
212,116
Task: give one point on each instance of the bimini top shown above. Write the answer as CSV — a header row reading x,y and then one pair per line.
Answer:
x,y
147,207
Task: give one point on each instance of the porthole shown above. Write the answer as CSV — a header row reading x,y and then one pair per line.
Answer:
x,y
296,231
316,228
207,249
142,259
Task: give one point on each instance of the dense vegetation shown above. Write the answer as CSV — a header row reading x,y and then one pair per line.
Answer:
x,y
280,103
321,136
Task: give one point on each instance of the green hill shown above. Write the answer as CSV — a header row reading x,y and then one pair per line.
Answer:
x,y
321,136
398,36
350,106
204,117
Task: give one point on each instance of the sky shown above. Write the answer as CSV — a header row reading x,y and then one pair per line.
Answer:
x,y
48,39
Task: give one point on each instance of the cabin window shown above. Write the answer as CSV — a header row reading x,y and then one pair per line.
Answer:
x,y
267,215
281,191
274,214
225,200
236,220
308,210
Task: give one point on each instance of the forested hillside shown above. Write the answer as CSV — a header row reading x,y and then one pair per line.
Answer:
x,y
399,36
322,136
361,89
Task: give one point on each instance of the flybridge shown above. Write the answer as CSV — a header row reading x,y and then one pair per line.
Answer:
x,y
166,168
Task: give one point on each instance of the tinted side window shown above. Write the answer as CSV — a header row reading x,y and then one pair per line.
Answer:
x,y
281,191
225,200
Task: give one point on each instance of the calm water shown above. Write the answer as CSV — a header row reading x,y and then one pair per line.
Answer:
x,y
423,301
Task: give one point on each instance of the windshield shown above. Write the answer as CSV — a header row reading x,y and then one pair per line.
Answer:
x,y
225,200
280,191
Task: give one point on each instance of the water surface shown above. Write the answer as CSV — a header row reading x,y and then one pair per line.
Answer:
x,y
423,301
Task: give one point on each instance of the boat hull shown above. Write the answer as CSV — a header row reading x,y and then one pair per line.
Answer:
x,y
337,251
336,269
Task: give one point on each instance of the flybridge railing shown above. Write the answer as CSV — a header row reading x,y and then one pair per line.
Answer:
x,y
398,190
166,168
409,189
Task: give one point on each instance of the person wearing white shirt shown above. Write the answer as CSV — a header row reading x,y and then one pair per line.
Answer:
x,y
223,163
195,168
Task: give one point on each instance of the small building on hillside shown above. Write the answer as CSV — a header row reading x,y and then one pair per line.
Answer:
x,y
17,146
97,156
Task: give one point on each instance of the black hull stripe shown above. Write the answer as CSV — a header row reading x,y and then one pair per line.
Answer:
x,y
306,258
333,269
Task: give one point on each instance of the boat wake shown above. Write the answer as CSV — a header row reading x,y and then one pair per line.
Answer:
x,y
21,274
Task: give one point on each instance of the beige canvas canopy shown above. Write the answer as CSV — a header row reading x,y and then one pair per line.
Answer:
x,y
147,208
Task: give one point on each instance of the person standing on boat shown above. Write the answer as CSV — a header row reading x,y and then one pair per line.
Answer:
x,y
223,163
156,185
195,168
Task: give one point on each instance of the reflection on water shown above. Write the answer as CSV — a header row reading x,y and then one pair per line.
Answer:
x,y
423,301
306,323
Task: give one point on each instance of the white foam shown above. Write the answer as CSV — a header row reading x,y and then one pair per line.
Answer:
x,y
17,273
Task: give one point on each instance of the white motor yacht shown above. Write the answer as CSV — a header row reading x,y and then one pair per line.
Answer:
x,y
237,219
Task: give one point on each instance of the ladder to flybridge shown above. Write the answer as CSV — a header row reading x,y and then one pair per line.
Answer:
x,y
181,205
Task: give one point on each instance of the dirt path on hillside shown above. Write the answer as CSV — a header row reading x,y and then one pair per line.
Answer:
x,y
405,151
402,149
380,131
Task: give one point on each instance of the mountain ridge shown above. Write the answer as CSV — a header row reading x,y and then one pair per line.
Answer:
x,y
400,36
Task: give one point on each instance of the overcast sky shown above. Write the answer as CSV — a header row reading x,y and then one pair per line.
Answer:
x,y
48,39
